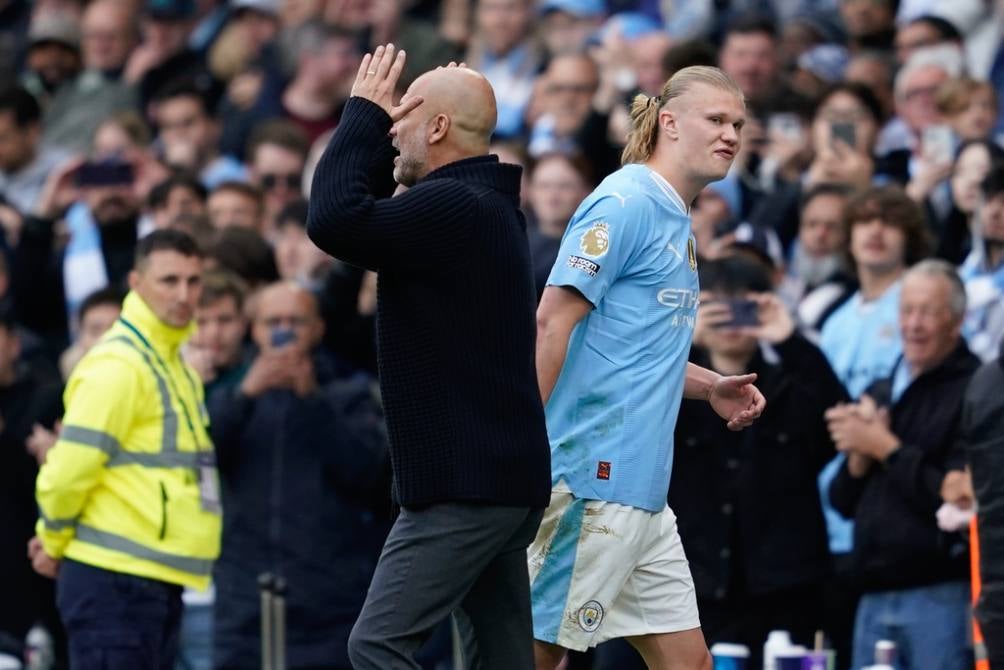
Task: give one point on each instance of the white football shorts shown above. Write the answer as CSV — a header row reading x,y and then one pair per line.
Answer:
x,y
600,570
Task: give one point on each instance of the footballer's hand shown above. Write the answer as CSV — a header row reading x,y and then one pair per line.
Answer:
x,y
737,400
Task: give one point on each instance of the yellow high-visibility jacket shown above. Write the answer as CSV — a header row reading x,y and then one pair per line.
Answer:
x,y
131,484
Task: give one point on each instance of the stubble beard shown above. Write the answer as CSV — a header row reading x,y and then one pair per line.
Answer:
x,y
408,171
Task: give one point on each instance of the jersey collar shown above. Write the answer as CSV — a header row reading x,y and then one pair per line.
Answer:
x,y
668,190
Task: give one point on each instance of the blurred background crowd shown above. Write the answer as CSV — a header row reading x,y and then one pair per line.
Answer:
x,y
873,143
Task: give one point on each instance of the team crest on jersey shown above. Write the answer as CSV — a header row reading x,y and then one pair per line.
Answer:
x,y
596,241
590,616
691,255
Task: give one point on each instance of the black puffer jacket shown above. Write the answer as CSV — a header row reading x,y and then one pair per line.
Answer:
x,y
897,543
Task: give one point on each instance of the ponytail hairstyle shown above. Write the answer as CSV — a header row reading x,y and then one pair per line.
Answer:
x,y
645,109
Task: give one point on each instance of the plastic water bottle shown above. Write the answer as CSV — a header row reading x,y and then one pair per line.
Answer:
x,y
777,641
885,656
885,652
729,656
38,652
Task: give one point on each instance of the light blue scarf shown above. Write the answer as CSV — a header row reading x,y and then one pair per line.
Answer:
x,y
84,268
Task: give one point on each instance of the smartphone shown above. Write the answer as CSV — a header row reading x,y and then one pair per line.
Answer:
x,y
938,144
845,132
744,313
105,173
281,337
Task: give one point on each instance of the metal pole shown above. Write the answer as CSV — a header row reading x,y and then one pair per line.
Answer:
x,y
456,644
280,623
266,583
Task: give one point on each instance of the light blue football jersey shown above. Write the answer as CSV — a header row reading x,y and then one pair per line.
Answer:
x,y
861,341
629,250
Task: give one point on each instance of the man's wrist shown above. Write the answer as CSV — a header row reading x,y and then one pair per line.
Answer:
x,y
888,450
700,382
708,385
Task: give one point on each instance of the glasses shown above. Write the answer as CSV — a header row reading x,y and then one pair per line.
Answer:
x,y
292,322
291,180
921,91
575,89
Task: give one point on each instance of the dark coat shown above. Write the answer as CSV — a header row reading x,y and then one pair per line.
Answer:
x,y
302,480
982,438
747,502
27,596
897,543
456,307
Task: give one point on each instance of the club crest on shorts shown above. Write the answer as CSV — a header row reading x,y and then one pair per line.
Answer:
x,y
691,255
596,241
590,616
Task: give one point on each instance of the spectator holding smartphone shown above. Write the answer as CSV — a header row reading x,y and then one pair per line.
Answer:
x,y
51,275
843,132
758,559
303,468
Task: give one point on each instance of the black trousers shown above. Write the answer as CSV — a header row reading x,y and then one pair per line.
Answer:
x,y
462,558
116,621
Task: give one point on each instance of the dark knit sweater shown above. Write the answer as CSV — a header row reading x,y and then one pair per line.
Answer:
x,y
455,314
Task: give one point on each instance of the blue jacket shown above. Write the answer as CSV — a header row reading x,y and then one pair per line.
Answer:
x,y
303,482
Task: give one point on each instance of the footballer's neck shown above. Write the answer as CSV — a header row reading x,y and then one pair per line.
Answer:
x,y
679,176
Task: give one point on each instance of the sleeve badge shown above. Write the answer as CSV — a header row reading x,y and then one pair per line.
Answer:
x,y
595,242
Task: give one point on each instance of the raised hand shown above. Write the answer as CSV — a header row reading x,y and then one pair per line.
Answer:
x,y
776,324
376,81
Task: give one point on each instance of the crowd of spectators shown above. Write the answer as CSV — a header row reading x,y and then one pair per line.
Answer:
x,y
873,143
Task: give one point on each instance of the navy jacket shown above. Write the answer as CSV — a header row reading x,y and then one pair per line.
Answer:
x,y
456,304
303,484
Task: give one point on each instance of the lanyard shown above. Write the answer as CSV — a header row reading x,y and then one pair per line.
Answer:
x,y
170,380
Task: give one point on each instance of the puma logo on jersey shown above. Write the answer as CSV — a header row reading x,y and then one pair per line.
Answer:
x,y
622,198
670,247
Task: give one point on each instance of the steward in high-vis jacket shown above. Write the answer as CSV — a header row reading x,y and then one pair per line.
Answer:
x,y
128,497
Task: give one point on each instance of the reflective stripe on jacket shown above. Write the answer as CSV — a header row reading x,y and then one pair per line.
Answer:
x,y
121,490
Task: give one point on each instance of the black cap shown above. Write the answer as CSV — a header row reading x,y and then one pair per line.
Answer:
x,y
170,10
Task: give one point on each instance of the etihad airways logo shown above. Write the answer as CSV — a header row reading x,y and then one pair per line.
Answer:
x,y
678,298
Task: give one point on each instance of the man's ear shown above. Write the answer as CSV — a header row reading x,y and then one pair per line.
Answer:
x,y
667,124
133,279
439,125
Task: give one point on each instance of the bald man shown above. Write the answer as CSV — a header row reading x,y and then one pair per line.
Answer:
x,y
456,332
301,454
